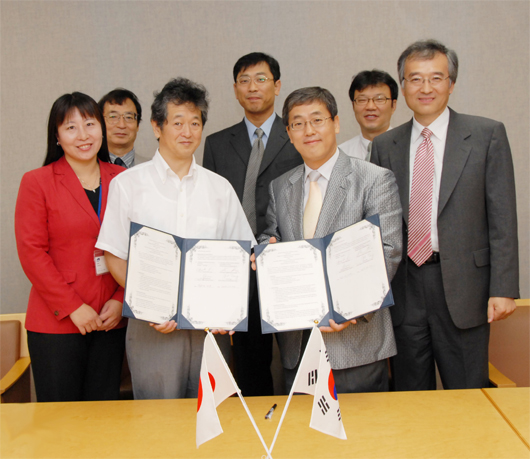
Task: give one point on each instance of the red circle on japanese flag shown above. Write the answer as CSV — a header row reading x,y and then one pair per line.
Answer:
x,y
331,386
199,396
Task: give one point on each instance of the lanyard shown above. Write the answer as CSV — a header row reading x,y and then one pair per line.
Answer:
x,y
99,203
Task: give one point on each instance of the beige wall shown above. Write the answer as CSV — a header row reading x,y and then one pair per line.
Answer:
x,y
53,47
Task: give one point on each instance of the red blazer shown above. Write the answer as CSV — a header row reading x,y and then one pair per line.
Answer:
x,y
56,230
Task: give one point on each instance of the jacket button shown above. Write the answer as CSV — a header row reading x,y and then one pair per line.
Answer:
x,y
56,313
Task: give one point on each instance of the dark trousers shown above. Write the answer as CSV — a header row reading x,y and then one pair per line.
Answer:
x,y
372,377
73,367
253,351
428,334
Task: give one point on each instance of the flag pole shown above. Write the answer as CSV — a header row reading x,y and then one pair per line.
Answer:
x,y
240,396
284,412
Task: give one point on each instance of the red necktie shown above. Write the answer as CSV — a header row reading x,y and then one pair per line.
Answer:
x,y
419,243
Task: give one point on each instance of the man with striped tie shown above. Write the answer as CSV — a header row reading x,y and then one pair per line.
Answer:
x,y
459,270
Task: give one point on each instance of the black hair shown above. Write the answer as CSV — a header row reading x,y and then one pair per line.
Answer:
x,y
61,108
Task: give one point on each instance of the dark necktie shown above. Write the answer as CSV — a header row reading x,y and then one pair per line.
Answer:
x,y
120,162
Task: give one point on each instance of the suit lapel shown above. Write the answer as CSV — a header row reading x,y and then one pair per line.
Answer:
x,y
336,192
240,142
400,164
455,157
295,201
277,139
67,177
107,174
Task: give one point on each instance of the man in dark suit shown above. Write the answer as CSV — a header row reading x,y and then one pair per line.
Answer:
x,y
459,270
348,190
250,155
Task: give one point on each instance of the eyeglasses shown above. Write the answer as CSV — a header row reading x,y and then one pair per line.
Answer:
x,y
419,81
114,118
315,122
244,80
378,100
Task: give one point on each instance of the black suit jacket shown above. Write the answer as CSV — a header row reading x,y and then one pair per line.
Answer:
x,y
477,220
227,153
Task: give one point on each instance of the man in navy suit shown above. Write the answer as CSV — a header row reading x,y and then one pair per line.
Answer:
x,y
459,270
250,155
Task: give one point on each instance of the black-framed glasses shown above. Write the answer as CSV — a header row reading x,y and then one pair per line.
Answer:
x,y
114,118
315,122
378,100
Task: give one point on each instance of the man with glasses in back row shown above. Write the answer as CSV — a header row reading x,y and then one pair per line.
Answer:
x,y
123,113
460,266
250,155
373,94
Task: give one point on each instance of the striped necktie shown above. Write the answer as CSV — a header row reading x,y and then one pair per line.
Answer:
x,y
420,214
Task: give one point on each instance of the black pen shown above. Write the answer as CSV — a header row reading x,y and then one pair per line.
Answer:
x,y
269,414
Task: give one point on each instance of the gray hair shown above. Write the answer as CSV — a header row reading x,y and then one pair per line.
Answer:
x,y
305,96
179,91
424,50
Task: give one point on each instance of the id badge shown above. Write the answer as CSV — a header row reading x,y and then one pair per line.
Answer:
x,y
99,262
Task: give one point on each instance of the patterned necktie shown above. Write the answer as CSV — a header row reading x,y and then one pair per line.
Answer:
x,y
419,243
249,193
313,206
120,162
368,152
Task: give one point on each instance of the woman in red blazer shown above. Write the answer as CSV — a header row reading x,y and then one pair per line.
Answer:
x,y
76,335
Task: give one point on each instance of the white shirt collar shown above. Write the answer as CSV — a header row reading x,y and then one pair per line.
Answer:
x,y
326,169
438,127
164,171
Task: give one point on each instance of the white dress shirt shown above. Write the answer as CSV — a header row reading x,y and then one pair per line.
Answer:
x,y
357,147
439,129
202,205
325,174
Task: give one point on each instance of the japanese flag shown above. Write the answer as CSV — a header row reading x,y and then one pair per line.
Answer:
x,y
315,377
215,385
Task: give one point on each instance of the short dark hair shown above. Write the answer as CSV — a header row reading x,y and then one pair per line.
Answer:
x,y
305,96
179,91
118,96
248,60
426,49
374,77
61,108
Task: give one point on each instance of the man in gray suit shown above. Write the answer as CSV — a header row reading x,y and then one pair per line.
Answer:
x,y
460,257
348,190
249,155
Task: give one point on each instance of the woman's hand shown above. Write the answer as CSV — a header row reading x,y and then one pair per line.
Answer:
x,y
165,327
110,315
86,319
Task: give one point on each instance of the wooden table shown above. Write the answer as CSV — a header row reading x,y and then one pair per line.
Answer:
x,y
437,424
514,406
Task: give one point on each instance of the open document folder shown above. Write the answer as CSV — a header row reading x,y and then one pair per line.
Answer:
x,y
199,283
341,277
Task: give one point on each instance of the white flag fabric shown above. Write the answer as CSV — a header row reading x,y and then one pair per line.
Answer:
x,y
315,377
215,385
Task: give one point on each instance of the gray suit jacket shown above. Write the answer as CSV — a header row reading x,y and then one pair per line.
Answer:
x,y
227,153
477,220
356,190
